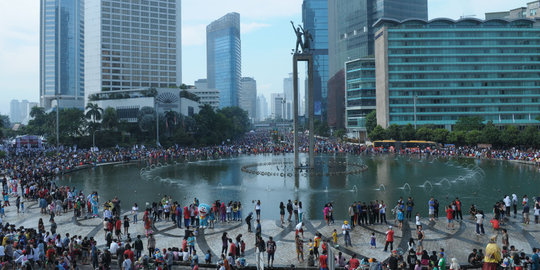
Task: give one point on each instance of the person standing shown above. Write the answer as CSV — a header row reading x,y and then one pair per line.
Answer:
x,y
248,221
259,254
300,212
493,254
134,212
271,250
410,205
299,248
151,244
258,209
389,239
351,214
382,211
421,236
535,259
431,205
289,210
323,261
459,213
480,222
514,204
346,228
138,247
282,212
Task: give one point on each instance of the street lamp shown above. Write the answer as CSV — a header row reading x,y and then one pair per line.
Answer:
x,y
57,121
157,121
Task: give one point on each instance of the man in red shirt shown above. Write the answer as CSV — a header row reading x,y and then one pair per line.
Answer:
x,y
322,261
389,239
354,262
232,248
450,217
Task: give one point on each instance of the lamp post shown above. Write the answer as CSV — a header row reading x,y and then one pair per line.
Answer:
x,y
415,111
157,121
57,121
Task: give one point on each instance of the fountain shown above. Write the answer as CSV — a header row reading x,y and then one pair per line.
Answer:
x,y
355,189
220,186
444,180
381,188
426,184
326,189
406,186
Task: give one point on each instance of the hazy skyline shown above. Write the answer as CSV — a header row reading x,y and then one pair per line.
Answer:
x,y
266,34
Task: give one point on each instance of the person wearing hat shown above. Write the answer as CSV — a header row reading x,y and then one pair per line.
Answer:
x,y
346,228
493,254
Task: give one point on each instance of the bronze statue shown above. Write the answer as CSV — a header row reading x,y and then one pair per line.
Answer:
x,y
307,37
298,39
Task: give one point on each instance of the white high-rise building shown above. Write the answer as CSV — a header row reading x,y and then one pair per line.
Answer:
x,y
132,44
278,105
262,108
247,96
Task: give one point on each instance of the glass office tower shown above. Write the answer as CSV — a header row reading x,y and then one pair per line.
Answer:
x,y
62,52
132,44
433,72
351,32
223,58
315,20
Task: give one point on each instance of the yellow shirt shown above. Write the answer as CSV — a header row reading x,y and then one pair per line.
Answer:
x,y
493,253
334,236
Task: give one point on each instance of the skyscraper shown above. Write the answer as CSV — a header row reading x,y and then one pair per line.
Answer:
x,y
132,44
315,20
288,94
277,104
62,52
262,108
247,97
351,37
223,58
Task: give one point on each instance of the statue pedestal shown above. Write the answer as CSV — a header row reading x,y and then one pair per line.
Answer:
x,y
303,57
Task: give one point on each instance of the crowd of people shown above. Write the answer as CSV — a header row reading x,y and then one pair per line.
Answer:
x,y
28,176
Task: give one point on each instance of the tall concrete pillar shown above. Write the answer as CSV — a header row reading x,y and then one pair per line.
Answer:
x,y
311,109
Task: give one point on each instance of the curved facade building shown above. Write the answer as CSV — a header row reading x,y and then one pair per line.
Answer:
x,y
433,72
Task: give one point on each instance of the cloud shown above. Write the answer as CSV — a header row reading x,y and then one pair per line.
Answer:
x,y
194,35
457,8
251,27
209,10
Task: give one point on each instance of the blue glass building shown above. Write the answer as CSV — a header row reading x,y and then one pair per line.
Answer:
x,y
315,20
433,72
62,52
223,58
351,35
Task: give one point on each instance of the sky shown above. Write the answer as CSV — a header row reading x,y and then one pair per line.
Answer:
x,y
266,34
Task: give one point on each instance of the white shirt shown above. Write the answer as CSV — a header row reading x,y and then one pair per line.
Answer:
x,y
127,264
345,228
2,252
418,221
479,218
507,201
134,210
113,248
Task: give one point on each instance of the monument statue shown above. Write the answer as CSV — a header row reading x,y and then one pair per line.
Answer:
x,y
299,33
307,38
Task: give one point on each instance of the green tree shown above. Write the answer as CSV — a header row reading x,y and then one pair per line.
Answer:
x,y
510,136
239,121
340,133
473,137
408,132
378,133
440,135
371,121
110,118
457,137
393,132
93,112
491,134
529,136
424,133
468,123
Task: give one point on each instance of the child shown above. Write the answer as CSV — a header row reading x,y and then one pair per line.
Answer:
x,y
208,257
373,243
242,247
334,238
495,224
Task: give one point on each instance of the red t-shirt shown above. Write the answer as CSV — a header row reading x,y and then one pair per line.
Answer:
x,y
449,213
495,223
390,236
354,263
322,261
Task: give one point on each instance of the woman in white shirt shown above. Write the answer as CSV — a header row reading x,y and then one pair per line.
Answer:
x,y
134,211
258,209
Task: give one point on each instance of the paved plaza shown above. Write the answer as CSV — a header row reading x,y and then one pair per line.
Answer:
x,y
457,242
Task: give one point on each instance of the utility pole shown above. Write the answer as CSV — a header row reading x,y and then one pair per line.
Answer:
x,y
57,122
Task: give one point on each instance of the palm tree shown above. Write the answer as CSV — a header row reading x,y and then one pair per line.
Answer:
x,y
93,112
